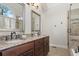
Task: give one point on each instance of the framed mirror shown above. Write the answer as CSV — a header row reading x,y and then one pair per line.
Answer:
x,y
11,17
36,23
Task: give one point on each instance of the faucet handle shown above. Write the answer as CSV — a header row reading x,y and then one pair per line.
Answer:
x,y
8,37
19,36
13,35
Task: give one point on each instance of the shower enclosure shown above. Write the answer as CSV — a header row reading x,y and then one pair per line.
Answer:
x,y
73,25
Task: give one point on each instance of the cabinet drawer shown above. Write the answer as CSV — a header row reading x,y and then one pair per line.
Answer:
x,y
46,43
18,49
39,42
37,49
46,39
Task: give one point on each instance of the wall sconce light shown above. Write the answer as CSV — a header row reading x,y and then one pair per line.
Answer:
x,y
34,5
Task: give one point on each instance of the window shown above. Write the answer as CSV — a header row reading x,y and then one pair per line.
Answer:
x,y
5,10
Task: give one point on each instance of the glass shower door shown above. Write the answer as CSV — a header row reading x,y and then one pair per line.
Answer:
x,y
74,26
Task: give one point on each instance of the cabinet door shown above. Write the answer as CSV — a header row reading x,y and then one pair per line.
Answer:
x,y
39,47
39,51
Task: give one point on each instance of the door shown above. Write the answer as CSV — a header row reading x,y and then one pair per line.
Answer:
x,y
73,25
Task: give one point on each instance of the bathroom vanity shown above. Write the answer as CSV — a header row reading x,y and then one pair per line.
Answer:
x,y
29,46
32,46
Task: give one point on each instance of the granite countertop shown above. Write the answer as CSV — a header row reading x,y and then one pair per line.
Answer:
x,y
8,44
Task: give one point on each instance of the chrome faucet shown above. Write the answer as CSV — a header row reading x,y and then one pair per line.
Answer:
x,y
13,35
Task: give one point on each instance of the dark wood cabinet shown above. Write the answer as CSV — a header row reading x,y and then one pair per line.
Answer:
x,y
38,47
42,46
17,50
46,45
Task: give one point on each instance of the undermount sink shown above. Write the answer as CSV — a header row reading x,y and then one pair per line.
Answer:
x,y
14,41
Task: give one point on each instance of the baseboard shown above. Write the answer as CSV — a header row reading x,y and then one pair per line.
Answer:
x,y
58,45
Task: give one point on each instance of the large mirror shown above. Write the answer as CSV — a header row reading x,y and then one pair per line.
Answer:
x,y
11,16
36,23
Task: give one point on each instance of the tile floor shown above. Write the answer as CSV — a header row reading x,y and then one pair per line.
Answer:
x,y
56,51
